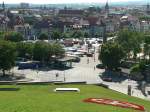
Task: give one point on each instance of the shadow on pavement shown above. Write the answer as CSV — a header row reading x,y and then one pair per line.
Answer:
x,y
9,89
112,76
11,78
54,68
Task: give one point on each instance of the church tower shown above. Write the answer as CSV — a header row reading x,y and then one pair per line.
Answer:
x,y
107,6
107,9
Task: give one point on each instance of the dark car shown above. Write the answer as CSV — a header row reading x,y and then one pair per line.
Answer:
x,y
89,55
100,66
108,79
76,59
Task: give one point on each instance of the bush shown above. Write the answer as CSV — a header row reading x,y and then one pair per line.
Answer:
x,y
135,68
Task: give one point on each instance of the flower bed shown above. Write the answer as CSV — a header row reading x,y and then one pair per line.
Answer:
x,y
115,103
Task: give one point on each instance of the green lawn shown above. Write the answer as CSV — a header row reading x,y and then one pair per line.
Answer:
x,y
41,98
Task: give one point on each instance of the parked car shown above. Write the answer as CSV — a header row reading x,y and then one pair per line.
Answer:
x,y
29,65
108,79
89,55
76,59
100,66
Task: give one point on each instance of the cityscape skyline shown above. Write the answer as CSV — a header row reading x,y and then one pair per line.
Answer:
x,y
63,1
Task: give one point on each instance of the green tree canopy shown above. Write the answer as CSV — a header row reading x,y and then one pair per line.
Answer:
x,y
64,35
41,51
13,36
147,46
43,36
7,55
111,55
58,50
56,35
130,41
86,35
44,51
25,50
77,34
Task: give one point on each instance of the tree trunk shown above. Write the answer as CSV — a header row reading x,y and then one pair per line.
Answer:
x,y
3,72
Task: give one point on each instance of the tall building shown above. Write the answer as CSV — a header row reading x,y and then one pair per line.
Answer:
x,y
148,9
107,9
24,5
3,6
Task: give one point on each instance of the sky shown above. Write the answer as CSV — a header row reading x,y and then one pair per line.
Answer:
x,y
61,1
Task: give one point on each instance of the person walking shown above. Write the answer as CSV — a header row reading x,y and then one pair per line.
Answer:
x,y
88,61
94,68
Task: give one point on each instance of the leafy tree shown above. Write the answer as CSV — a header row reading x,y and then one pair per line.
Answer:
x,y
77,34
130,41
55,35
111,55
24,50
86,35
13,36
64,35
30,20
43,36
145,18
147,46
1,35
44,51
58,51
7,55
41,51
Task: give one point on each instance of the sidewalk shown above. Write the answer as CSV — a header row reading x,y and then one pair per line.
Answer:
x,y
123,88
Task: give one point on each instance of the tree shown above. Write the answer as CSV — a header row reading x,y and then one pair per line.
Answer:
x,y
7,55
41,51
64,35
86,35
25,50
13,36
58,50
147,46
130,41
1,35
44,51
111,55
77,34
43,36
55,35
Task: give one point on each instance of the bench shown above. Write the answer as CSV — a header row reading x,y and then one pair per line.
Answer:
x,y
67,89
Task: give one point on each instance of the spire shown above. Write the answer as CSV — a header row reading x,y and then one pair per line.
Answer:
x,y
148,8
107,6
3,5
106,10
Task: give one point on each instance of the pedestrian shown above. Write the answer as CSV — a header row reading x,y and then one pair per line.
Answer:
x,y
57,75
88,61
132,92
94,57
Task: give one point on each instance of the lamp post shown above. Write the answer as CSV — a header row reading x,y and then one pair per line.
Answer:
x,y
64,76
129,86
